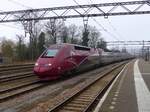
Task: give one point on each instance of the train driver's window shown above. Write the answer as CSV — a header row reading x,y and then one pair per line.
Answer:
x,y
50,53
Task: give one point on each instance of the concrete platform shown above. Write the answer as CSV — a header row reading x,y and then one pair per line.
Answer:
x,y
130,92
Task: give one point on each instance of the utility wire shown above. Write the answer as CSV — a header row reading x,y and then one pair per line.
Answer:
x,y
99,23
114,28
103,27
10,26
18,3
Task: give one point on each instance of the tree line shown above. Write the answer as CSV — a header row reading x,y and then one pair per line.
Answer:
x,y
51,32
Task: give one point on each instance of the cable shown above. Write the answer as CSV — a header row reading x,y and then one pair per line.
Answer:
x,y
114,28
18,3
99,23
10,26
103,27
107,30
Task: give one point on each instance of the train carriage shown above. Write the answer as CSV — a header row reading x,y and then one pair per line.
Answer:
x,y
60,59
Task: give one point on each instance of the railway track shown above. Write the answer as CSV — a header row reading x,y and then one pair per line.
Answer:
x,y
16,80
14,72
15,65
78,101
6,94
5,69
85,96
10,72
6,78
10,93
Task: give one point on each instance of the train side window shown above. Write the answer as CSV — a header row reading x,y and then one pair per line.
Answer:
x,y
82,48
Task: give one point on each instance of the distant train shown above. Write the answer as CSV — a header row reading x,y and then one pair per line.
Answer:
x,y
60,59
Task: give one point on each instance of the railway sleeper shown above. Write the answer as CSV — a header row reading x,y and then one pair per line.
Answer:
x,y
90,94
85,98
79,109
81,103
82,100
67,111
76,105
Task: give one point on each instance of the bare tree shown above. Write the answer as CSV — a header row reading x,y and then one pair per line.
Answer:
x,y
41,43
73,33
7,48
21,50
85,37
53,28
33,28
102,44
64,35
93,36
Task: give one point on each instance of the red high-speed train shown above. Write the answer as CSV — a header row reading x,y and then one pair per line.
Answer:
x,y
59,59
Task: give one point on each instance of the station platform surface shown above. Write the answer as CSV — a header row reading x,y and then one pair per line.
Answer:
x,y
130,92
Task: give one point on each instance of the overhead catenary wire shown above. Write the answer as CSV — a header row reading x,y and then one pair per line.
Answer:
x,y
10,26
114,28
18,3
103,28
26,6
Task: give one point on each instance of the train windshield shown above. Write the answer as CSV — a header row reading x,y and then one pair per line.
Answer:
x,y
50,53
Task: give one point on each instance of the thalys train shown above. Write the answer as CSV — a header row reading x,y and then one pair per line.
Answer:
x,y
60,59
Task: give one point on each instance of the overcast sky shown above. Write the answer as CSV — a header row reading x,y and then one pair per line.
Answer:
x,y
121,27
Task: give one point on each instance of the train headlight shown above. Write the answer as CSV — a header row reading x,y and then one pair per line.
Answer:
x,y
36,64
49,64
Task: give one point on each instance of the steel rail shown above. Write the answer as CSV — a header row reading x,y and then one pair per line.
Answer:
x,y
15,77
13,92
15,65
76,94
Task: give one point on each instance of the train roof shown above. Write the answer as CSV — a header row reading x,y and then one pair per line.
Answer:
x,y
67,44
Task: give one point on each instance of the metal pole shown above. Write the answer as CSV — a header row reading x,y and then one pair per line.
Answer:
x,y
148,53
143,49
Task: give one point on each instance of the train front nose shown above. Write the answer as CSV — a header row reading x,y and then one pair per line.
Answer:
x,y
46,69
43,65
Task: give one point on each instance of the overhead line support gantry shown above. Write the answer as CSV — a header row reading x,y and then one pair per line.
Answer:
x,y
92,10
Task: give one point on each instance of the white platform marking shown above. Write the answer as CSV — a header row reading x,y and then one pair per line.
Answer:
x,y
142,92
